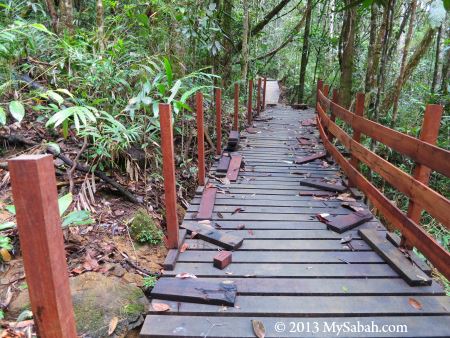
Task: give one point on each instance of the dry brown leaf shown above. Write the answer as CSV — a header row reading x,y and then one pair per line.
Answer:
x,y
6,256
237,210
219,214
112,325
184,247
184,275
240,227
160,307
415,303
258,328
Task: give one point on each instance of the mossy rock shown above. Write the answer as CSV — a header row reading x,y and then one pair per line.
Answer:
x,y
97,299
145,229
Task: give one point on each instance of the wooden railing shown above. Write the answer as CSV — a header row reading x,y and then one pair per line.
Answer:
x,y
423,152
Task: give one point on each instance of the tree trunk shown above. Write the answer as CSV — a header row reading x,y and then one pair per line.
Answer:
x,y
68,6
227,11
400,79
53,14
347,49
393,94
445,80
370,49
245,52
305,52
100,26
436,60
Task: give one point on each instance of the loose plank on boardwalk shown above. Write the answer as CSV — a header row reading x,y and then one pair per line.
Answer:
x,y
330,306
323,185
234,167
224,163
196,291
412,275
198,326
286,270
207,204
325,286
207,233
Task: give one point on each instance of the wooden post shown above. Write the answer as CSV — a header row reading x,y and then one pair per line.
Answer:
x,y
218,121
249,102
170,193
200,138
236,106
258,98
319,88
335,99
326,90
359,111
429,133
41,240
264,94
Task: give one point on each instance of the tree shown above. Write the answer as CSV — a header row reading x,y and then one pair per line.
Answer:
x,y
305,51
245,53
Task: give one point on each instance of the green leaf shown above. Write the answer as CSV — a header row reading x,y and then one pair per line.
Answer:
x,y
64,91
55,97
64,203
55,147
169,72
40,27
11,209
447,5
78,217
7,225
26,314
2,116
17,110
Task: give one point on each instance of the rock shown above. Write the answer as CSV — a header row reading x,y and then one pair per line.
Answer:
x,y
117,270
96,300
133,278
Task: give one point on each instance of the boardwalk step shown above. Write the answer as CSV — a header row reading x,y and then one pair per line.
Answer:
x,y
194,290
306,159
207,204
323,185
394,257
224,163
207,233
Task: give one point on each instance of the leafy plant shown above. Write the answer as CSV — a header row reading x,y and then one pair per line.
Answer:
x,y
150,281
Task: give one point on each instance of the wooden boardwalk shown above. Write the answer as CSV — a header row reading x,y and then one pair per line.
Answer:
x,y
290,268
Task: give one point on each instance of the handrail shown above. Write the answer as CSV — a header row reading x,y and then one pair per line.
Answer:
x,y
418,192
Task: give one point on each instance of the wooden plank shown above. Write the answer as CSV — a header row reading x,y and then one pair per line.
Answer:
x,y
306,159
323,306
42,244
418,237
207,204
323,185
343,223
218,98
172,255
234,167
224,163
157,326
285,245
287,270
200,138
193,290
419,262
412,275
209,234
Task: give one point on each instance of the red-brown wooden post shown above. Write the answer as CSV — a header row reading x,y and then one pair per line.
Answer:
x,y
264,94
258,97
249,102
359,110
41,239
335,99
326,90
429,133
319,88
170,193
218,121
236,107
200,138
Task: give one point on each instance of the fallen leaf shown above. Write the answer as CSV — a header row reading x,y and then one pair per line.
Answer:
x,y
323,217
90,263
237,210
193,234
184,247
217,226
160,307
112,325
346,239
258,328
251,232
415,303
5,255
345,289
206,221
240,227
346,197
219,214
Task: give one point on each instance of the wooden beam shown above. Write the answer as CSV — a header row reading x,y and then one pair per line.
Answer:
x,y
218,121
207,204
170,193
236,107
41,240
258,98
264,93
200,138
249,102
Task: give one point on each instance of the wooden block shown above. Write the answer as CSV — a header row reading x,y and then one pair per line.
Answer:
x,y
419,262
395,258
172,255
207,233
195,291
302,106
343,223
222,259
323,185
207,204
233,169
234,136
224,163
306,159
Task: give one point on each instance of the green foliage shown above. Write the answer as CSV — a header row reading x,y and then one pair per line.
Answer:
x,y
144,228
150,281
